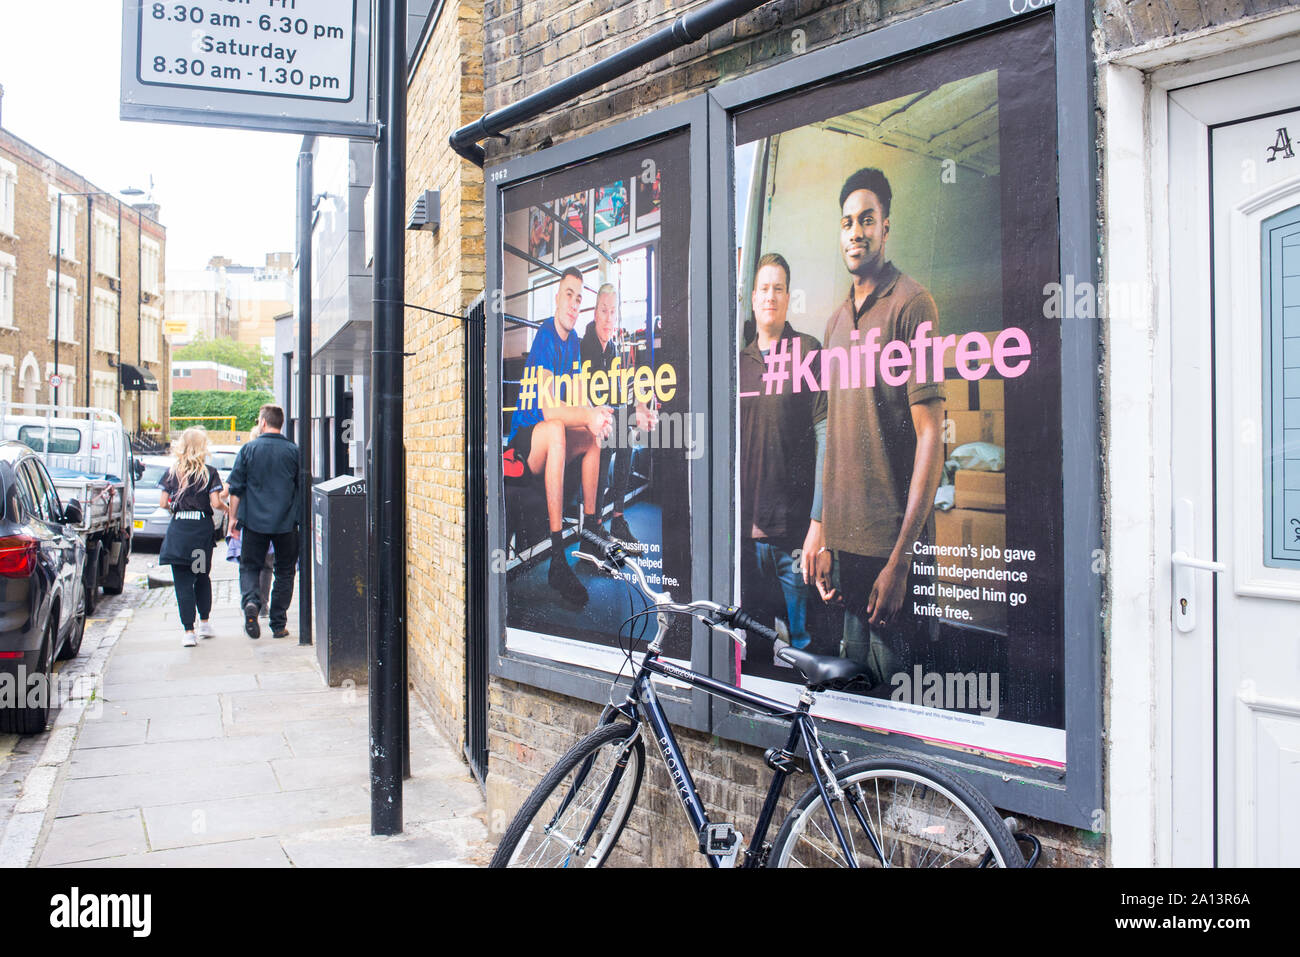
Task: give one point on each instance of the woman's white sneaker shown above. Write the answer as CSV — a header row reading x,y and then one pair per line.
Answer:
x,y
205,629
188,641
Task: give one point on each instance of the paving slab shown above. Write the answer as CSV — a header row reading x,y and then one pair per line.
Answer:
x,y
190,727
419,845
173,755
113,734
88,837
86,795
261,815
121,708
259,852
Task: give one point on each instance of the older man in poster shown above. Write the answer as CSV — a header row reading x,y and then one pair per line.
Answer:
x,y
884,445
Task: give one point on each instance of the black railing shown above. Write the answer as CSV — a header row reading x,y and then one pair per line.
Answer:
x,y
143,443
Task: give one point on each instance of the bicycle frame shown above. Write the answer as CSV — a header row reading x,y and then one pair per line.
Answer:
x,y
643,698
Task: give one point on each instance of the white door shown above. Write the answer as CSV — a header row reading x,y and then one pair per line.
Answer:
x,y
1234,161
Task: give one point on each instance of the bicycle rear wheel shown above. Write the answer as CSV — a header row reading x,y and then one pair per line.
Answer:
x,y
575,815
896,812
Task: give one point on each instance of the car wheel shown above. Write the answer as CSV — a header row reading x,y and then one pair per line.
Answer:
x,y
20,718
115,580
90,577
76,631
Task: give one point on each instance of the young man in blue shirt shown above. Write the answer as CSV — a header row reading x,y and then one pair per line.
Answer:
x,y
553,425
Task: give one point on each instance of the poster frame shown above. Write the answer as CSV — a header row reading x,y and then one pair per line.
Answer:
x,y
1073,796
685,707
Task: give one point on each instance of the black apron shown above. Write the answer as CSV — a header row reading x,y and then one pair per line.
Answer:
x,y
189,535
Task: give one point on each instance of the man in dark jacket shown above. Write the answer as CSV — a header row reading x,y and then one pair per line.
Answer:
x,y
265,499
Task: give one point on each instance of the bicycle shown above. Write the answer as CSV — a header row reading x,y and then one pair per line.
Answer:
x,y
891,811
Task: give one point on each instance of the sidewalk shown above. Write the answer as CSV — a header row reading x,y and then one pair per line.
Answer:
x,y
233,753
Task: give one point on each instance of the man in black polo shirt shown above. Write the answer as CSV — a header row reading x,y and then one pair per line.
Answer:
x,y
781,439
265,499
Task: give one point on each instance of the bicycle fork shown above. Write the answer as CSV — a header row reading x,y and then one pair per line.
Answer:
x,y
829,788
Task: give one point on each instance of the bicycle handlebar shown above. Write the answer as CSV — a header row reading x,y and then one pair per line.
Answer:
x,y
734,615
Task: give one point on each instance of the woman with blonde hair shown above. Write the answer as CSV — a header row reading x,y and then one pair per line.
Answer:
x,y
191,489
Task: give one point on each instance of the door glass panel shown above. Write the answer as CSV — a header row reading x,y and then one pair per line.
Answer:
x,y
1281,298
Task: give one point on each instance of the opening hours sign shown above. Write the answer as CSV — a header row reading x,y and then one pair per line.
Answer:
x,y
300,66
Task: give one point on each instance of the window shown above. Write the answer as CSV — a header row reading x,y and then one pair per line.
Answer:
x,y
103,391
8,195
105,322
65,441
183,373
149,334
106,245
67,248
67,307
8,278
149,406
6,379
150,259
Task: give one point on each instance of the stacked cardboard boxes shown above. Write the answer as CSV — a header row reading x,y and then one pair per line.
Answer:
x,y
975,412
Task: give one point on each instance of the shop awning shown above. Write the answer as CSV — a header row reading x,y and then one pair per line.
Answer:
x,y
345,352
137,380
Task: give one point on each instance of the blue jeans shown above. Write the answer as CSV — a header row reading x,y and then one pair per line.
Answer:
x,y
776,562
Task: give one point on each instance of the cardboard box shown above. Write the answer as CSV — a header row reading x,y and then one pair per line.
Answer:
x,y
958,392
976,427
980,490
992,395
966,527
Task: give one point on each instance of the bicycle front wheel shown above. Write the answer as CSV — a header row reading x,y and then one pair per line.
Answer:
x,y
575,815
896,812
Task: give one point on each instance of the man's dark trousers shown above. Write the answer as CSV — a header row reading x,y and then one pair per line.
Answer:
x,y
252,559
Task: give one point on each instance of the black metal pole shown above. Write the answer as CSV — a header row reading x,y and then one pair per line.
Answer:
x,y
90,283
304,395
58,284
386,480
118,270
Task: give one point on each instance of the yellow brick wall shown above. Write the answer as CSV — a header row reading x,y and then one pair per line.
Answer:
x,y
444,270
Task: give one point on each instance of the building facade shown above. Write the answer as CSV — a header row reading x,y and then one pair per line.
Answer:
x,y
208,375
111,351
1128,172
225,300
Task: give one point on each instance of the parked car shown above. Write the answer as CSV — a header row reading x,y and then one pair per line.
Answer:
x,y
151,521
87,453
42,589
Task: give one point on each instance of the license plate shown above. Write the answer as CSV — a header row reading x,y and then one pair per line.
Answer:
x,y
139,524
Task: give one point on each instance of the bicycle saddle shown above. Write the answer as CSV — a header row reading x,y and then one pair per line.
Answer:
x,y
820,671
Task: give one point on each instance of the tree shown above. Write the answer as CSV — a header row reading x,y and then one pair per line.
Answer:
x,y
207,402
228,352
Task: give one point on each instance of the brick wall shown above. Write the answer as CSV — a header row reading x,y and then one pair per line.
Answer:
x,y
30,246
1130,23
444,271
531,44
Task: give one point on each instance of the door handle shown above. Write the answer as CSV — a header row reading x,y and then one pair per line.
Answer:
x,y
1182,558
1184,579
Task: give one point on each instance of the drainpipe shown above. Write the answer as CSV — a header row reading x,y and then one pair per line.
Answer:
x,y
685,30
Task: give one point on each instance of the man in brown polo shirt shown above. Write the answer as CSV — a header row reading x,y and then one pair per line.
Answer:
x,y
884,446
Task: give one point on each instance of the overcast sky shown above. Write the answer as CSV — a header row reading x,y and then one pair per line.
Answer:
x,y
223,192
